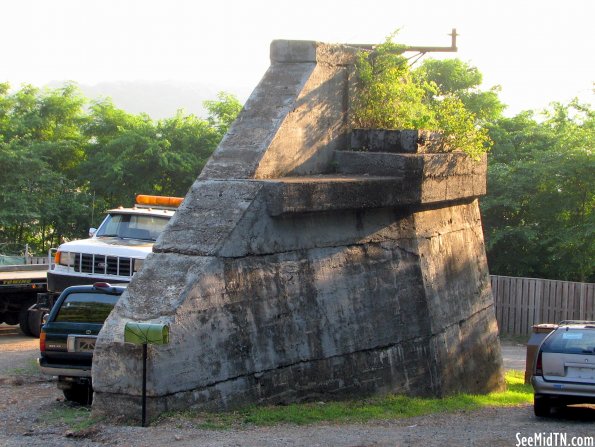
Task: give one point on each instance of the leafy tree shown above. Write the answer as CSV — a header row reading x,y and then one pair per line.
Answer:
x,y
223,112
64,164
120,156
40,148
456,78
451,75
538,214
438,96
131,154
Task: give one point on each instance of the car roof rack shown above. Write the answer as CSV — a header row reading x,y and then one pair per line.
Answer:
x,y
568,322
109,288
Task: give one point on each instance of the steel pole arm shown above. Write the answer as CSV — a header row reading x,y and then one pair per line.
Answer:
x,y
452,49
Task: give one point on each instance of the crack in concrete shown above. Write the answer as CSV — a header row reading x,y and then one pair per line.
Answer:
x,y
193,254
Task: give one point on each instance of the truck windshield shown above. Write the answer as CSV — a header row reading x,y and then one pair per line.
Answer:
x,y
86,307
132,226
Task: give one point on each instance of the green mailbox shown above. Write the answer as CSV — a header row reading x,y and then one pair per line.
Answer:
x,y
146,333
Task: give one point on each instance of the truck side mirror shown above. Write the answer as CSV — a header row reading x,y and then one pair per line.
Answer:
x,y
92,231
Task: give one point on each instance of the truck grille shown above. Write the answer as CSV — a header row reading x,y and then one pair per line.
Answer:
x,y
104,265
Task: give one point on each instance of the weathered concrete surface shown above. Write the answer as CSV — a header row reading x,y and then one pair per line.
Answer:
x,y
294,119
283,283
397,141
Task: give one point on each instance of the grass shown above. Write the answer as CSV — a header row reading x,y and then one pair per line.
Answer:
x,y
76,418
377,408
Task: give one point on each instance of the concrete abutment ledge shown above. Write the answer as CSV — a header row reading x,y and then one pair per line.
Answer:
x,y
296,271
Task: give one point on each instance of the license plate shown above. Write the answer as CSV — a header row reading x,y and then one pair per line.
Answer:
x,y
80,344
84,344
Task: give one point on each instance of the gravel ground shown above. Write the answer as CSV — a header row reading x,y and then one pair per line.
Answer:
x,y
29,402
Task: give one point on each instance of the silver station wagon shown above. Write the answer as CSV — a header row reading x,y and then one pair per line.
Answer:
x,y
564,371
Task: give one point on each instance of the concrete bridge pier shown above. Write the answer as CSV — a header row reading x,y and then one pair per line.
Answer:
x,y
299,267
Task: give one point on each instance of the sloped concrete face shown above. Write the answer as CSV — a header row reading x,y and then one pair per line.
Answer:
x,y
282,282
295,117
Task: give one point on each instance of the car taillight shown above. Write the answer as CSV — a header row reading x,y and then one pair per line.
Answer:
x,y
42,341
538,366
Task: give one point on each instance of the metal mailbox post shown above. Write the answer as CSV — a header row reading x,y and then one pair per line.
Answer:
x,y
144,334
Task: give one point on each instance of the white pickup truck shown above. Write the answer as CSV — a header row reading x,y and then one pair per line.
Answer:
x,y
114,251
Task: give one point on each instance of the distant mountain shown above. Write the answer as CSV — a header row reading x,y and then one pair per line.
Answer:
x,y
158,99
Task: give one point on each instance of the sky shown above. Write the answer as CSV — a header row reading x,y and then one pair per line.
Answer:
x,y
537,51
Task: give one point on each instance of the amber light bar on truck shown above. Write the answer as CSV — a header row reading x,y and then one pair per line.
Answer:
x,y
170,202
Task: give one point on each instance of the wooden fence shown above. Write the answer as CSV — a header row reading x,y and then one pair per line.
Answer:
x,y
522,302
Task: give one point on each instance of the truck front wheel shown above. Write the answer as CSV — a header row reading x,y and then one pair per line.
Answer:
x,y
35,318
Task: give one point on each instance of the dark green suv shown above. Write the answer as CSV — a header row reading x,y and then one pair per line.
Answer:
x,y
68,337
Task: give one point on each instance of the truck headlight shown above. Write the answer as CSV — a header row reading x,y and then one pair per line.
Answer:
x,y
138,263
65,258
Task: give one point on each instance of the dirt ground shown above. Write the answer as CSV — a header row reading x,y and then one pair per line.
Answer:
x,y
29,404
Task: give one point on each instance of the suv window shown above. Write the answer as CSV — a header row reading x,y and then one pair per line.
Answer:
x,y
85,307
571,341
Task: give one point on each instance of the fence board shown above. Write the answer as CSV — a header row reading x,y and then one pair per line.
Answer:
x,y
517,304
545,302
551,301
532,305
558,301
507,297
539,292
582,302
576,298
522,302
498,283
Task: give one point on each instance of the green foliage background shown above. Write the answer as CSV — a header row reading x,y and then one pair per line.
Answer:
x,y
65,160
538,214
